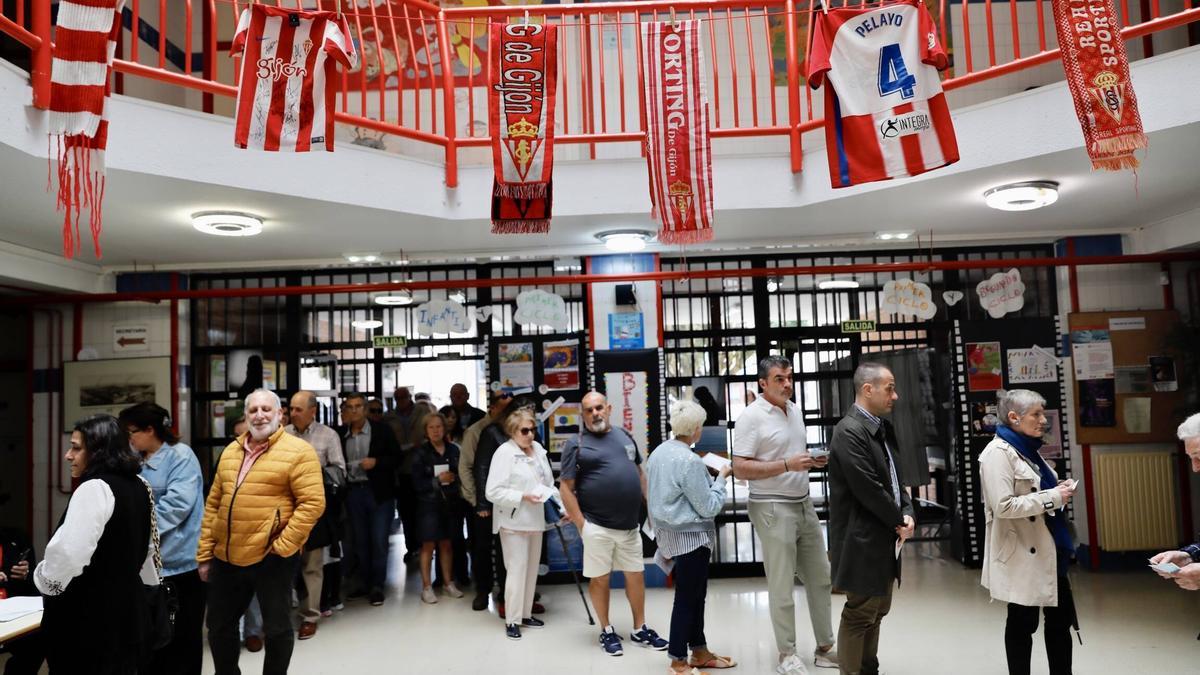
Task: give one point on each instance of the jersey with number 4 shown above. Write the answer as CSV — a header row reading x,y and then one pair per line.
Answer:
x,y
885,113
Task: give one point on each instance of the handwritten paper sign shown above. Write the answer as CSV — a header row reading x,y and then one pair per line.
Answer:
x,y
442,316
1002,294
543,309
952,297
908,298
1027,366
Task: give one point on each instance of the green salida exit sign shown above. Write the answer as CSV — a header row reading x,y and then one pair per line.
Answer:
x,y
858,326
385,341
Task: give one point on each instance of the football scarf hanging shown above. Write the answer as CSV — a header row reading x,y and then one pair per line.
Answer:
x,y
524,75
284,99
885,113
1097,70
85,40
678,146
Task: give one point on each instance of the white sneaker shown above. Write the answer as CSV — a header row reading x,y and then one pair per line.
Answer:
x,y
452,590
827,659
792,665
427,596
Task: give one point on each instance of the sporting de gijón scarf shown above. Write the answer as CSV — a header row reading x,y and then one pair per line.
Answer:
x,y
885,113
289,56
1097,70
678,144
85,40
524,71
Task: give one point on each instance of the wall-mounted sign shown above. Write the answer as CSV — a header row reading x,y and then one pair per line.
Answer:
x,y
131,337
858,326
386,341
908,298
442,316
626,330
1002,293
540,308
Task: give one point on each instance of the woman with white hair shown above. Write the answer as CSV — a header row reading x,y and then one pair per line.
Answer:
x,y
683,501
1028,543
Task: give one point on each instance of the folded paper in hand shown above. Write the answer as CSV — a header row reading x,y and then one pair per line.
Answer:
x,y
542,492
715,461
17,607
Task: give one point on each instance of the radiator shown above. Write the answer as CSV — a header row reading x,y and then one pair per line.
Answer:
x,y
1136,507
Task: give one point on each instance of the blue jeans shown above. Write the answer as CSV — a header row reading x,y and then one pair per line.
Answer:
x,y
371,522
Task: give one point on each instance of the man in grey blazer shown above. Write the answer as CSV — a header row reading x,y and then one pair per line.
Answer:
x,y
869,515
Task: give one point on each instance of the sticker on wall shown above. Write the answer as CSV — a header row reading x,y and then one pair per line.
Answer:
x,y
442,316
908,298
483,314
537,307
952,297
1002,293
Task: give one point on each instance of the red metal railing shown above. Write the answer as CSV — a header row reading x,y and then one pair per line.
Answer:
x,y
424,67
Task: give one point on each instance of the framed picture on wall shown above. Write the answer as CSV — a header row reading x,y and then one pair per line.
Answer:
x,y
111,385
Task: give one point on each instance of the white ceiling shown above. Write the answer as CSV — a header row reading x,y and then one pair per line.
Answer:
x,y
146,220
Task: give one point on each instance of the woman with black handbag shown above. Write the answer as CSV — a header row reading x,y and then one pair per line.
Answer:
x,y
99,559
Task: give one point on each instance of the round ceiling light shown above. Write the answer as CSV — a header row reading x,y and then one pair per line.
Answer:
x,y
625,241
367,324
227,224
837,284
401,298
1022,196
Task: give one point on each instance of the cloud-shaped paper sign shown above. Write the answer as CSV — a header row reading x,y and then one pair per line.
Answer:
x,y
908,298
442,316
540,308
952,297
1002,294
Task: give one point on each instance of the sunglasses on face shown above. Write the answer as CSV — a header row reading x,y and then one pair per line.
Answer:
x,y
525,431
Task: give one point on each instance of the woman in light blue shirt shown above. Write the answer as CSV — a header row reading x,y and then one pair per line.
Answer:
x,y
173,472
683,501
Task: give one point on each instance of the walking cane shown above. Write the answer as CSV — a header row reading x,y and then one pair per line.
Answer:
x,y
578,586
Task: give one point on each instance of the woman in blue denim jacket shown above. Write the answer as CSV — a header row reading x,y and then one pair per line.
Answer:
x,y
173,472
683,501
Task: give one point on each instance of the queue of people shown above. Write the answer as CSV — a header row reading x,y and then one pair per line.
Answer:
x,y
273,521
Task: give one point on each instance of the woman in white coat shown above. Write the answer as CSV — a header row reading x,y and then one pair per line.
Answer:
x,y
519,482
1028,543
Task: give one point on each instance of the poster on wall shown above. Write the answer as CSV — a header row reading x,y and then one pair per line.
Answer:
x,y
516,367
111,385
626,330
1162,373
627,394
1028,366
1097,403
560,365
1091,351
1052,439
984,371
984,419
565,424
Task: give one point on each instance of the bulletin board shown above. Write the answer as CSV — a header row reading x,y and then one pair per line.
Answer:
x,y
1143,374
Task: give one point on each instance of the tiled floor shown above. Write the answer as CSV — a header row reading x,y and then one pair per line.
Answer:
x,y
941,622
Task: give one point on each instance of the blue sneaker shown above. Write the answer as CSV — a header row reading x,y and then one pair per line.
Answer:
x,y
611,642
646,637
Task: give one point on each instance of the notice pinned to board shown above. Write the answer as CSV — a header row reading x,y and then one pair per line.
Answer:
x,y
1092,354
1136,413
1162,373
1127,323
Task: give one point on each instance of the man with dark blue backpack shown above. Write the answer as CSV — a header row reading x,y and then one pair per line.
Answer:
x,y
603,487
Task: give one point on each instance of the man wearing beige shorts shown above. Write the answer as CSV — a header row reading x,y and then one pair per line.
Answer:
x,y
603,487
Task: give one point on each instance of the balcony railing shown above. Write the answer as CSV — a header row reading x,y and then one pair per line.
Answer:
x,y
423,68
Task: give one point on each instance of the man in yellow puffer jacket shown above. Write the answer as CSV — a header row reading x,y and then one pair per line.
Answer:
x,y
266,496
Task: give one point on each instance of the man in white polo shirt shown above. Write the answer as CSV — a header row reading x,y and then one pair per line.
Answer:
x,y
770,451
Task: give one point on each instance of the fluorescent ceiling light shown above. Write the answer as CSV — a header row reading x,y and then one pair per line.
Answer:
x,y
367,324
227,224
837,284
401,298
361,257
900,235
625,241
1022,196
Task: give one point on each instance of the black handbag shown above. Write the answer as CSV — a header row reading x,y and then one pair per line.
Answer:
x,y
162,600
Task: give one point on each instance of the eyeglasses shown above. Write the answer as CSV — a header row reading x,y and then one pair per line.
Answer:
x,y
525,431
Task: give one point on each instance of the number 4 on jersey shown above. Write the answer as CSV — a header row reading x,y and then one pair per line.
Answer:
x,y
893,75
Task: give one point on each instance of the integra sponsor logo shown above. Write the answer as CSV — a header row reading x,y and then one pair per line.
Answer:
x,y
903,125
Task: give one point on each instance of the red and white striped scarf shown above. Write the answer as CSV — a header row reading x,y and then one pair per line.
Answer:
x,y
85,41
523,67
678,145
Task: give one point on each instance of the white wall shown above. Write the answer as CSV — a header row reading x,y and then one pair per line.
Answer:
x,y
51,475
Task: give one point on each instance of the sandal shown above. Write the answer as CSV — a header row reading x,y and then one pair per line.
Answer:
x,y
689,671
717,662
